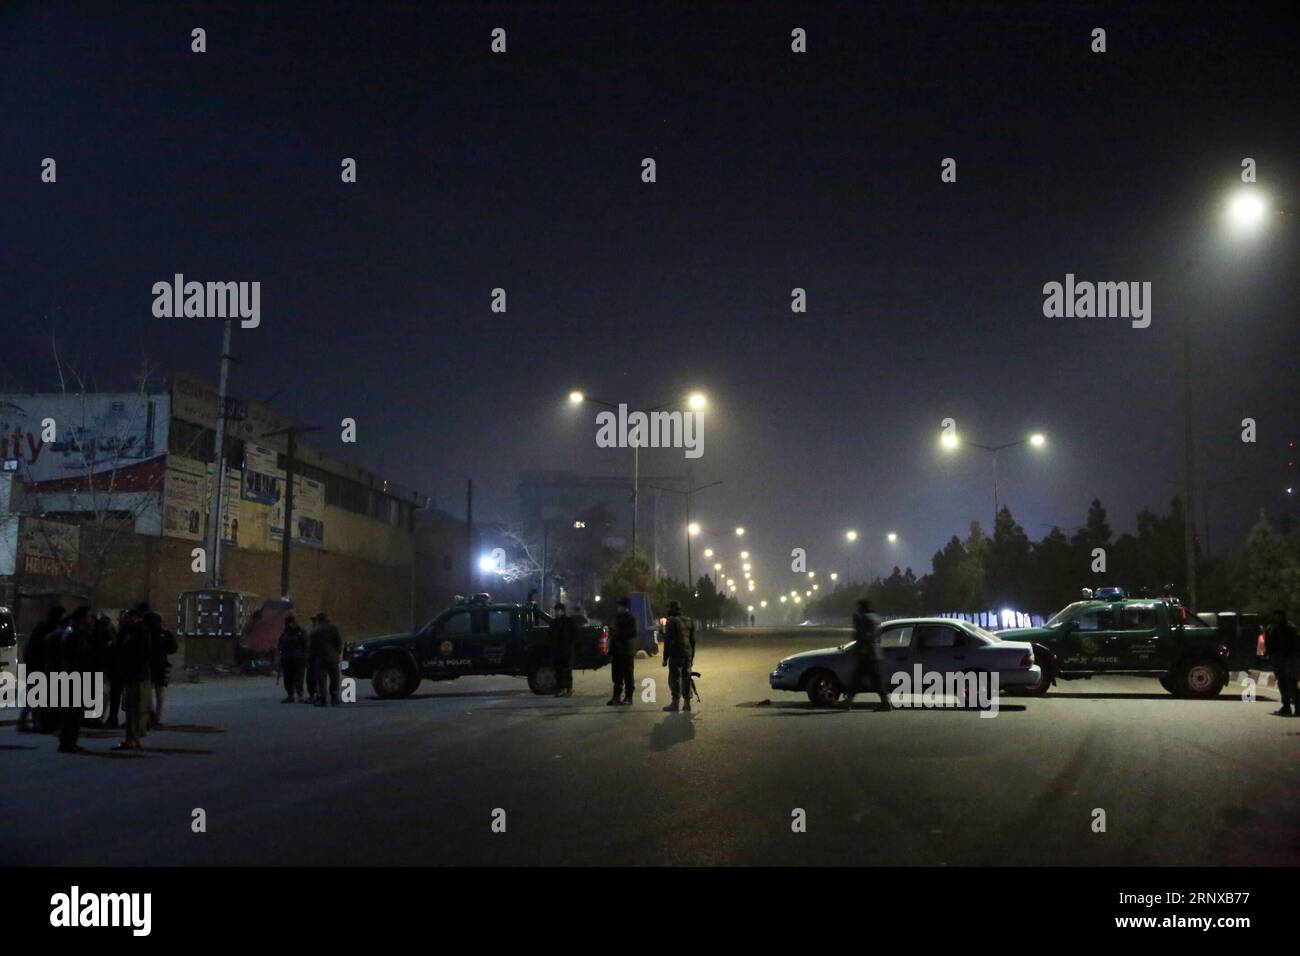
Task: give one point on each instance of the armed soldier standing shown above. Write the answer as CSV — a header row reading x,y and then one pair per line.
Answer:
x,y
623,653
679,656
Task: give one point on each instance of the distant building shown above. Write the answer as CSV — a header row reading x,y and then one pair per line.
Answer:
x,y
113,490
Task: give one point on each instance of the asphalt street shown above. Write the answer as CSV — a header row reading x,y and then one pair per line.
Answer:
x,y
418,781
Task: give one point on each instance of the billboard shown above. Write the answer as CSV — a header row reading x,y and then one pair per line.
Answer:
x,y
48,549
75,443
308,514
184,496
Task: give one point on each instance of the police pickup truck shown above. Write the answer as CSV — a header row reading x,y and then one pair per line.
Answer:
x,y
474,638
1149,637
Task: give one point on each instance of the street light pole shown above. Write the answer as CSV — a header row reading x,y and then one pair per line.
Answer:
x,y
577,398
1189,510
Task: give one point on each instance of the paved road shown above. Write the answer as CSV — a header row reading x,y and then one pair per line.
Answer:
x,y
416,781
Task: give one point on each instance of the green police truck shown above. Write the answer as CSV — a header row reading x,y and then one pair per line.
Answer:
x,y
473,638
1147,637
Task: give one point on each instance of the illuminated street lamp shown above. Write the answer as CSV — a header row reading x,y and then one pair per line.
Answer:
x,y
835,576
950,441
892,538
745,567
740,532
693,529
708,552
851,536
782,598
695,400
744,555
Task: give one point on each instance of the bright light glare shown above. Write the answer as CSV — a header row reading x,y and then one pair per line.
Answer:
x,y
1037,440
949,440
740,532
851,536
708,552
744,555
1246,210
576,398
692,528
486,563
893,538
697,400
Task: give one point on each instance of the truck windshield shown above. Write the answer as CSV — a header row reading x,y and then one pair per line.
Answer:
x,y
1064,614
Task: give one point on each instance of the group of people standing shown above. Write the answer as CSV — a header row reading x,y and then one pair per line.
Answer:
x,y
314,656
133,655
678,654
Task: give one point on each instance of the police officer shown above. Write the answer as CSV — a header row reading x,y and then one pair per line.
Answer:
x,y
679,656
1283,648
162,644
35,661
867,656
292,649
133,653
623,653
325,650
74,657
563,635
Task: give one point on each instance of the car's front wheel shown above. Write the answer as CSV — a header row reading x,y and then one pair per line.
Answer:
x,y
394,679
1203,678
823,688
542,679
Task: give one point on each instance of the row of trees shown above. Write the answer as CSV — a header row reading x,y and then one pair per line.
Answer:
x,y
632,573
1009,569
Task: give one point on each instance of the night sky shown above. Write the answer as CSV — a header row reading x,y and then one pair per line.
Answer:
x,y
775,171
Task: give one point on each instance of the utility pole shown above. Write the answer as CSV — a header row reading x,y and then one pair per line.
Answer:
x,y
219,465
469,538
292,433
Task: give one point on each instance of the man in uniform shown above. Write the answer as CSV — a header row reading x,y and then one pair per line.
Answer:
x,y
563,635
623,653
679,656
292,649
1280,642
325,650
74,656
132,654
866,651
35,660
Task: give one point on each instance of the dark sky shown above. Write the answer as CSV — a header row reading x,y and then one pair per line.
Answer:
x,y
774,171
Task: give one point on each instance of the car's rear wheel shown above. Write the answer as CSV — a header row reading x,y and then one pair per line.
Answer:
x,y
1203,678
542,679
394,679
823,688
1042,687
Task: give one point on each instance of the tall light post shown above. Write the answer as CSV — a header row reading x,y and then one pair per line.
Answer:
x,y
1246,213
696,401
952,442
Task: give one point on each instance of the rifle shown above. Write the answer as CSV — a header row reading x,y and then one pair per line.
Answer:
x,y
695,690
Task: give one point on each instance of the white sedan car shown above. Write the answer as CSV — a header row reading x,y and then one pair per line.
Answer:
x,y
937,644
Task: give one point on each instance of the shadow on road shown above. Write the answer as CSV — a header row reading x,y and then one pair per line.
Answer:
x,y
672,730
1225,697
523,692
